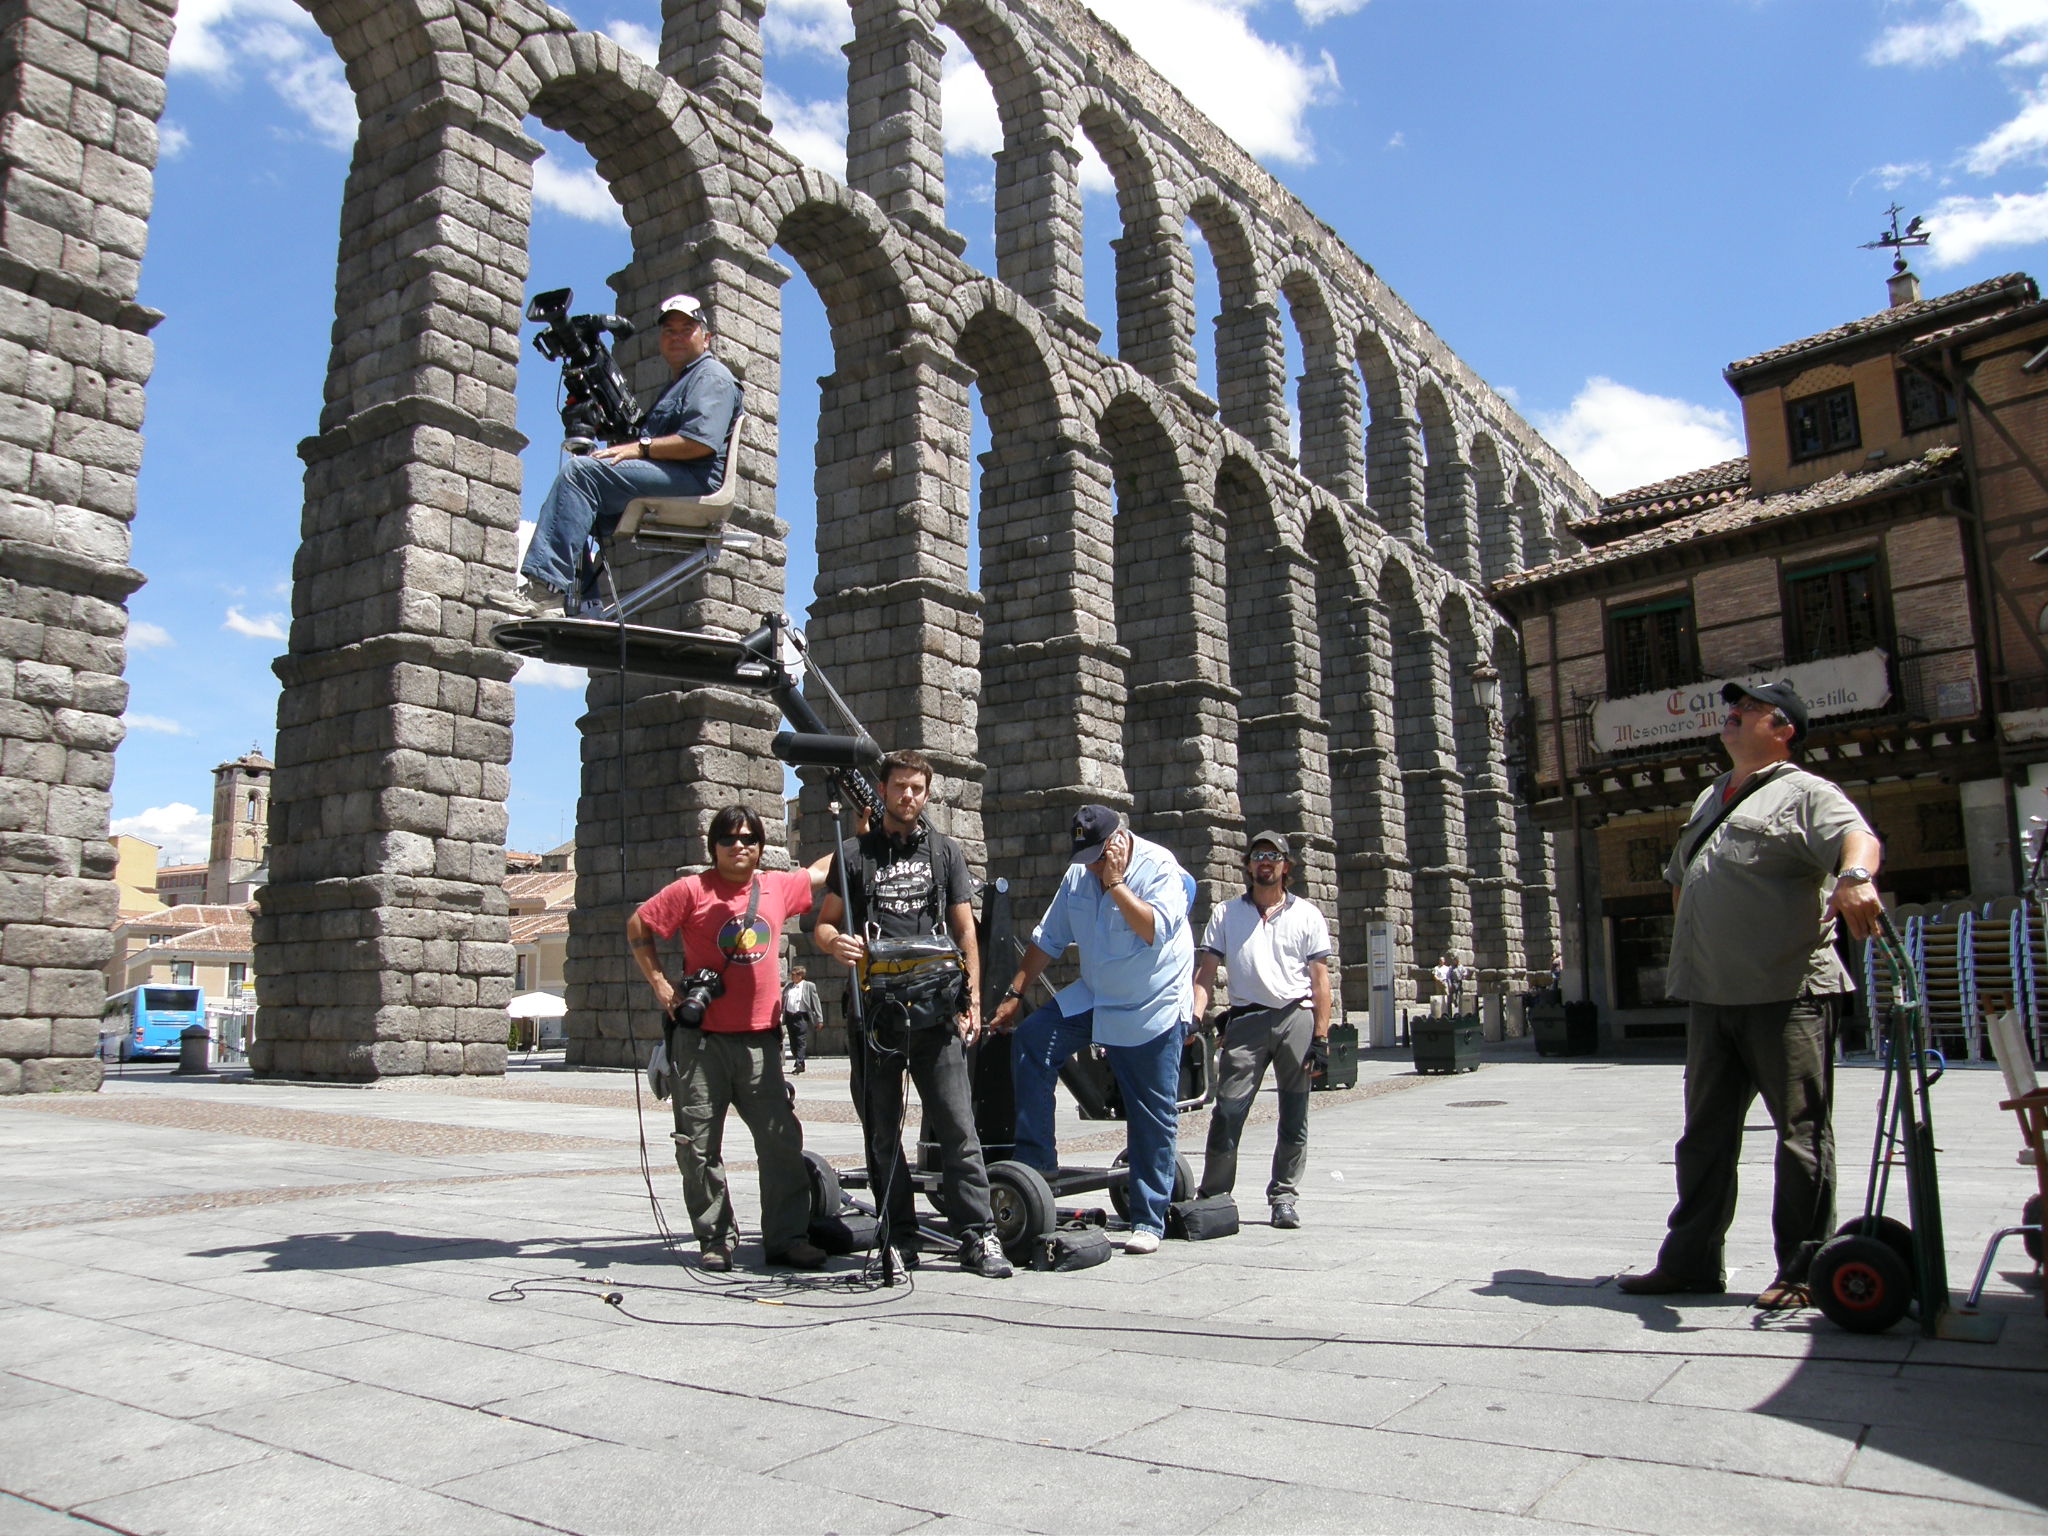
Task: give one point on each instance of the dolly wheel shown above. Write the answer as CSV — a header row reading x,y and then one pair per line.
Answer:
x,y
827,1198
1860,1284
2030,1216
1021,1202
1890,1231
1120,1189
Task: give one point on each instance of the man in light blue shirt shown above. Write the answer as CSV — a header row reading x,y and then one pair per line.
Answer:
x,y
1124,903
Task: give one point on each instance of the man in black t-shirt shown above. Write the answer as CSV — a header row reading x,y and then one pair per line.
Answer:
x,y
906,879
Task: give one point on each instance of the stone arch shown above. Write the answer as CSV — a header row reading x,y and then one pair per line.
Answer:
x,y
1532,543
1499,537
1178,736
1249,351
1155,274
1327,393
1349,683
389,53
1491,895
1034,652
1393,447
1534,869
714,47
1447,496
1038,210
1421,697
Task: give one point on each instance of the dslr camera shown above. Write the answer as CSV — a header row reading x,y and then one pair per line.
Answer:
x,y
698,991
597,407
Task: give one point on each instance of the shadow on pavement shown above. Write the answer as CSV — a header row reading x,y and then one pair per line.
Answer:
x,y
376,1250
1924,1419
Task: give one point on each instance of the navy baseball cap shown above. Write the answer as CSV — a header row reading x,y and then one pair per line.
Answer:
x,y
1779,695
1093,827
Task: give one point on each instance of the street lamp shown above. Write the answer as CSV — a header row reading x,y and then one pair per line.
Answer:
x,y
1486,687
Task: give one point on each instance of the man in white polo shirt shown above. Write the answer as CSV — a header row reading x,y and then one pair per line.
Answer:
x,y
1278,949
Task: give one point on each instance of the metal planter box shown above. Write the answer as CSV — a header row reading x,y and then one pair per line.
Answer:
x,y
1572,1029
1446,1044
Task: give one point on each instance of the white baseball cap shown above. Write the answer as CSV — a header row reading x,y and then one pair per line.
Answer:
x,y
681,304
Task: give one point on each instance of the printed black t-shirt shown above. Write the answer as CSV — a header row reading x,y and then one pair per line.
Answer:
x,y
906,873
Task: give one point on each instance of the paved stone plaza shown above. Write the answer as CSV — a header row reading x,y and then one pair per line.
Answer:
x,y
230,1307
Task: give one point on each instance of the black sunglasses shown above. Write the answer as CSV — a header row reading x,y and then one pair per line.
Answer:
x,y
739,840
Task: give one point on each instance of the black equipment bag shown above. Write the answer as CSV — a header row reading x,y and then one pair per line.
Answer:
x,y
1341,1068
1074,1246
1202,1218
848,1232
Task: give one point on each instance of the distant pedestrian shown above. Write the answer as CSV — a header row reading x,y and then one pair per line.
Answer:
x,y
1770,857
1277,947
801,1011
1450,979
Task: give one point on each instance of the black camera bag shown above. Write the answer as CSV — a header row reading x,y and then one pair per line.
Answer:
x,y
1202,1218
847,1232
1075,1246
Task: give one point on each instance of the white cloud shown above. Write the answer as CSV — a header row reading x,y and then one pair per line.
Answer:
x,y
183,832
1398,141
577,191
1620,438
145,636
2019,26
1315,12
162,725
642,42
821,27
2022,138
813,131
171,140
1258,91
1963,227
534,673
215,38
264,626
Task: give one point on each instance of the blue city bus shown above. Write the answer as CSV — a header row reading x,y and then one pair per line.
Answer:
x,y
147,1021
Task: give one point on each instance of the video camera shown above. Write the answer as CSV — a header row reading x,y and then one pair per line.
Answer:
x,y
597,407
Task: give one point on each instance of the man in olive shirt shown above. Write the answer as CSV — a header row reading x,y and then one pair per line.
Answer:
x,y
1769,858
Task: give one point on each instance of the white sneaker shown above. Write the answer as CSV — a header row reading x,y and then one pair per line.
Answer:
x,y
528,600
1141,1240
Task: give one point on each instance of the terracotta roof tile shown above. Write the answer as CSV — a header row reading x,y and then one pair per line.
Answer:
x,y
214,939
192,914
532,927
1733,516
1666,499
551,889
2023,292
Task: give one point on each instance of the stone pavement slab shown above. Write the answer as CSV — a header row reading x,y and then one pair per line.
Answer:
x,y
402,1327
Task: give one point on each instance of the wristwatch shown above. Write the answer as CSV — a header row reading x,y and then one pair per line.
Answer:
x,y
1855,874
646,447
1011,993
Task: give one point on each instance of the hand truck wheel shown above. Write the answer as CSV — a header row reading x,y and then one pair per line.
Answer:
x,y
1890,1231
2030,1215
1021,1202
1860,1284
827,1198
1120,1189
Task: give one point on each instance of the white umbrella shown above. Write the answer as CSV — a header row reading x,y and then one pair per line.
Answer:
x,y
536,1005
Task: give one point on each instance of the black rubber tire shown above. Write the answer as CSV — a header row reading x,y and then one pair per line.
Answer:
x,y
2030,1215
1860,1284
1021,1201
827,1198
1893,1233
1120,1191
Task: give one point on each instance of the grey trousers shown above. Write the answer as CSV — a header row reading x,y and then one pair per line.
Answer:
x,y
1733,1055
714,1072
1275,1037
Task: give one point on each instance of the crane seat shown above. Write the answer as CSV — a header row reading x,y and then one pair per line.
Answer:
x,y
686,519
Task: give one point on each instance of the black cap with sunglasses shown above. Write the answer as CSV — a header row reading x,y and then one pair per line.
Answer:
x,y
1780,696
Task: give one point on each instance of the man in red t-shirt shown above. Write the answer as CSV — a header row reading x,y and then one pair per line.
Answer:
x,y
735,1058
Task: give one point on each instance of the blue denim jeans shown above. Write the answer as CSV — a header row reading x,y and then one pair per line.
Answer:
x,y
1046,1041
586,502
1149,1075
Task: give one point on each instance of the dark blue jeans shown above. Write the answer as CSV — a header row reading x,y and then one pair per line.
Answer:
x,y
1148,1075
586,502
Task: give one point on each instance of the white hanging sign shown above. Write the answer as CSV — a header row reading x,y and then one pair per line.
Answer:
x,y
1840,685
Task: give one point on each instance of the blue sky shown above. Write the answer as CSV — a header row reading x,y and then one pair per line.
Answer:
x,y
1597,203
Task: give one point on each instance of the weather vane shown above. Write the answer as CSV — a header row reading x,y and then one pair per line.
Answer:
x,y
1896,242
